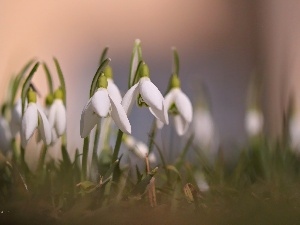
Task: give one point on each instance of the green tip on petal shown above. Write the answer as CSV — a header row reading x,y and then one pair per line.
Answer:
x,y
49,99
31,95
174,81
102,81
59,94
108,72
144,71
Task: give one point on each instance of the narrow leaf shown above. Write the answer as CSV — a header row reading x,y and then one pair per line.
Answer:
x,y
18,79
103,55
27,84
61,80
49,78
136,57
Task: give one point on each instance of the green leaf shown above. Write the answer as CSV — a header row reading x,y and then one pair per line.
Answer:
x,y
103,55
141,187
61,80
136,75
136,57
95,78
173,168
175,67
49,78
17,80
27,84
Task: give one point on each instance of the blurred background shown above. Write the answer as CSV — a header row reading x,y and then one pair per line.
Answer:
x,y
220,44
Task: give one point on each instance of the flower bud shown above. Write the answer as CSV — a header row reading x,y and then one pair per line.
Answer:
x,y
102,81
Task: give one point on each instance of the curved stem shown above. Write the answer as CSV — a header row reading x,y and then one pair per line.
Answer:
x,y
84,158
94,167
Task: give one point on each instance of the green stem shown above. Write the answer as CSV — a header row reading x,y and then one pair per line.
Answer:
x,y
117,146
152,136
84,158
16,154
95,148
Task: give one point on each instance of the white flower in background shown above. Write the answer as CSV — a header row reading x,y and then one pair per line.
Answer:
x,y
179,105
5,135
146,93
57,114
254,122
201,182
203,128
294,131
16,118
34,118
139,148
112,88
101,104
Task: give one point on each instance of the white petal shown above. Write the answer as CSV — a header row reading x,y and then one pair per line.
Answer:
x,y
54,136
162,115
181,125
29,121
129,98
119,116
88,119
113,90
16,118
254,122
101,103
150,94
170,98
60,117
159,124
44,128
184,105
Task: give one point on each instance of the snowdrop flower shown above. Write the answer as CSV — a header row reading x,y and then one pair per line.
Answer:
x,y
254,122
16,118
178,105
139,148
34,118
112,88
5,135
146,93
203,128
57,114
201,182
294,131
101,104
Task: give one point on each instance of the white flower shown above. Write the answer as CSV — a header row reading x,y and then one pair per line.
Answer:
x,y
57,116
16,118
150,95
34,118
294,131
113,90
201,182
203,128
254,122
101,104
5,135
139,148
181,107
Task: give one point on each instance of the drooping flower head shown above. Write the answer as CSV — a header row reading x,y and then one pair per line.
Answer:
x,y
145,93
57,113
34,118
101,104
254,122
179,106
112,88
139,148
